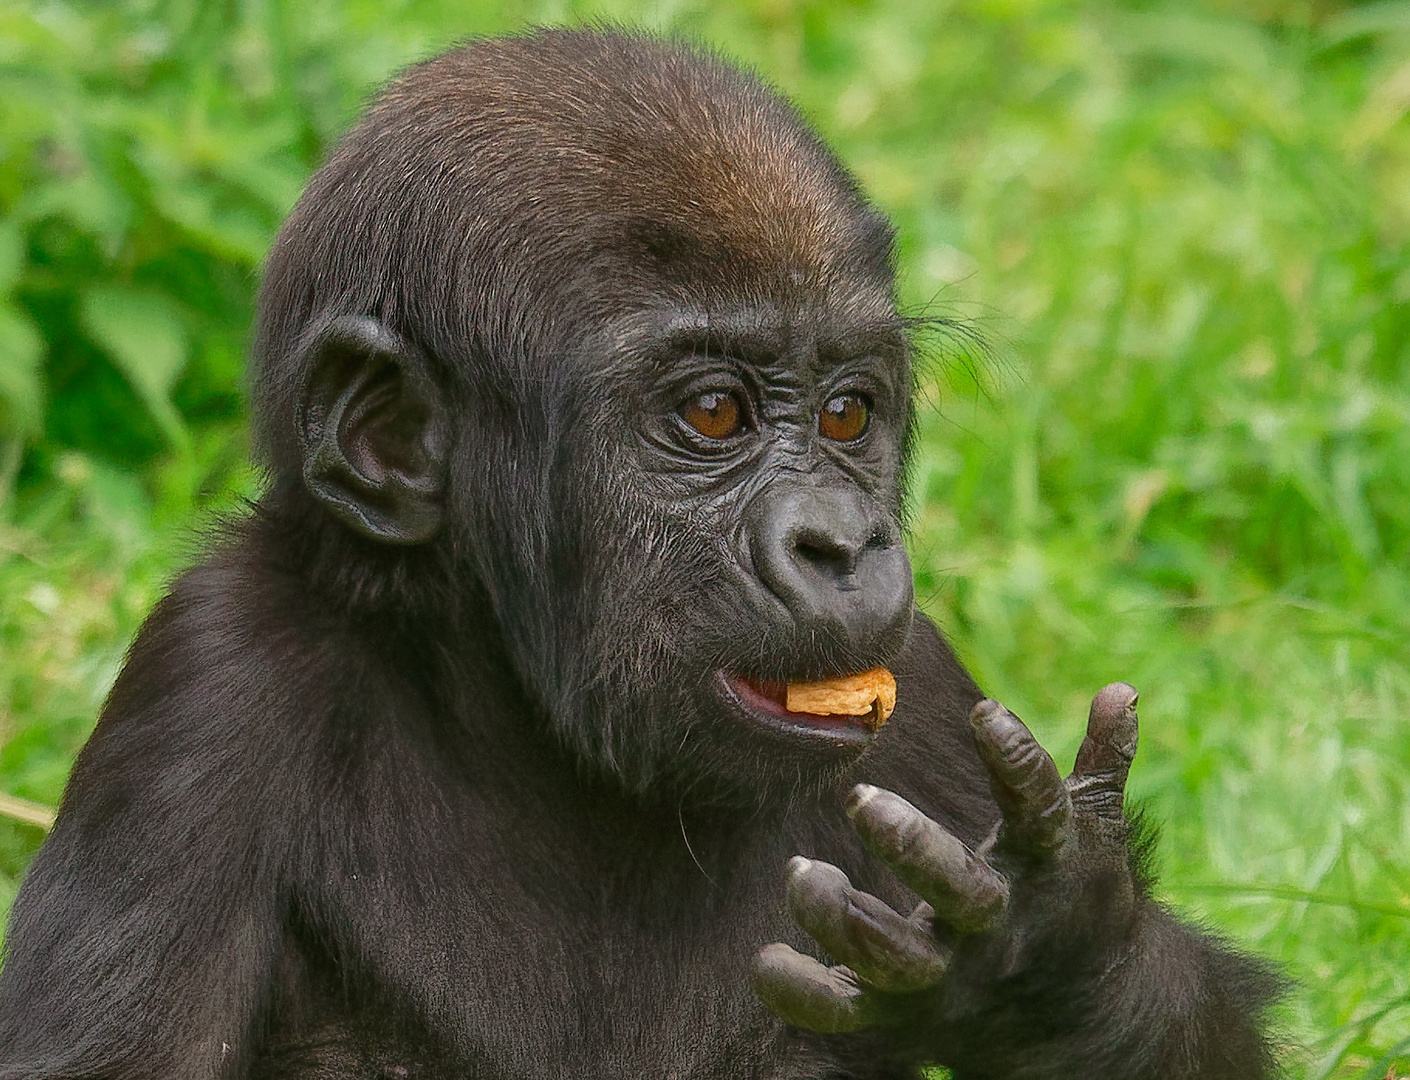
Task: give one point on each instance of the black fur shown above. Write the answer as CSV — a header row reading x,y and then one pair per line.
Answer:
x,y
422,773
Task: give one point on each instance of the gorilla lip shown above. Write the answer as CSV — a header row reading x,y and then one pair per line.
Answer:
x,y
861,703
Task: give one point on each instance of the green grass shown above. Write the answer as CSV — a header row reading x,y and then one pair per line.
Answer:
x,y
1184,459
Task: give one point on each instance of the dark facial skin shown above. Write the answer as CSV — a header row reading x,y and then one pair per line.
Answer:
x,y
585,404
789,539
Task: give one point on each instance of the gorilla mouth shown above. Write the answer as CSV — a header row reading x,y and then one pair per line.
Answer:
x,y
766,703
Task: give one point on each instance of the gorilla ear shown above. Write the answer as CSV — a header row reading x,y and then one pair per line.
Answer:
x,y
372,426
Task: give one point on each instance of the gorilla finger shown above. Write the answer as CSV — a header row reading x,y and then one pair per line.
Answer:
x,y
1098,780
965,892
1029,789
804,993
884,948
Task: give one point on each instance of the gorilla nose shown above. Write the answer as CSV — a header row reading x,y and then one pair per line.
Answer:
x,y
835,560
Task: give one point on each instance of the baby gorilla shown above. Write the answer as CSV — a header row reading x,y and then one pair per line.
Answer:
x,y
478,748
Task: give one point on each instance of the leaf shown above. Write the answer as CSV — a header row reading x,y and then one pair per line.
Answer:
x,y
21,376
1388,1063
11,254
143,334
88,202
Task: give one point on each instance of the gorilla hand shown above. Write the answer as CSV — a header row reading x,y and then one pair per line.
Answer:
x,y
1049,897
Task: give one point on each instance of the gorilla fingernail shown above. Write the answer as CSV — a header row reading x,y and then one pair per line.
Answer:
x,y
1116,697
859,797
984,711
799,865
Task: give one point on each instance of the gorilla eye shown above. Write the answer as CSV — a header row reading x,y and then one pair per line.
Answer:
x,y
844,417
715,413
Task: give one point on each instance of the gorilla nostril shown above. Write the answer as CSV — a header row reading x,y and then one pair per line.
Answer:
x,y
826,551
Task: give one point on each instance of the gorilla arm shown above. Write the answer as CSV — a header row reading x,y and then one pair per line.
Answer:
x,y
1038,955
143,940
150,925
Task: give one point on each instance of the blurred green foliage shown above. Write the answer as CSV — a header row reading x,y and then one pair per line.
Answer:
x,y
1183,228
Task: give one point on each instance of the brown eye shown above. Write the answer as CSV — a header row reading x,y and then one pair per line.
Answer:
x,y
844,417
715,413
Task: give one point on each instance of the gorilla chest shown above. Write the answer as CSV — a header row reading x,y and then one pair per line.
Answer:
x,y
619,993
512,979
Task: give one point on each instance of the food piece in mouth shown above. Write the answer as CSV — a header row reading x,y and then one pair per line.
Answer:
x,y
867,693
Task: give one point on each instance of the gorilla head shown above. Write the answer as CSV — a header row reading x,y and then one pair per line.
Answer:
x,y
582,351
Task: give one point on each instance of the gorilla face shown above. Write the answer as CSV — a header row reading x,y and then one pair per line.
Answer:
x,y
630,363
728,516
